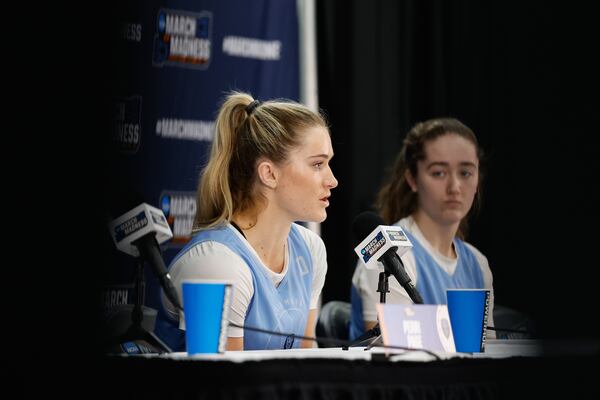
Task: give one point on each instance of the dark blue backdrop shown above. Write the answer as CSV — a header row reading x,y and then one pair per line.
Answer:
x,y
173,63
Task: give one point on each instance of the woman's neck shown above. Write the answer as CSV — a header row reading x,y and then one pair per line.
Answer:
x,y
440,237
267,236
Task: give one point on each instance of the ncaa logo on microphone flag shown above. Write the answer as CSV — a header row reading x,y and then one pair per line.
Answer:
x,y
159,219
397,235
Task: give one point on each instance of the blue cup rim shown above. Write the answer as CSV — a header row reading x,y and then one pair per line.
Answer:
x,y
208,281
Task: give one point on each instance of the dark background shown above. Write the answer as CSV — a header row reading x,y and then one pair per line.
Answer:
x,y
524,77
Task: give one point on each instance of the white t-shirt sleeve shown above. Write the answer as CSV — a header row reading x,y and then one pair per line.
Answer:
x,y
213,260
319,260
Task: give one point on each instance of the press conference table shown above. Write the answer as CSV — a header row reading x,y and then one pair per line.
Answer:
x,y
507,369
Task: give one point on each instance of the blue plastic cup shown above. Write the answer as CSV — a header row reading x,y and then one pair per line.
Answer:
x,y
468,309
206,309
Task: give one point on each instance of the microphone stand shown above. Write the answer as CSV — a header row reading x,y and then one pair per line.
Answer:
x,y
150,343
375,332
404,280
383,286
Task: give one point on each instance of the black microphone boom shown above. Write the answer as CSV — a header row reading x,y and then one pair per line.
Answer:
x,y
150,251
393,264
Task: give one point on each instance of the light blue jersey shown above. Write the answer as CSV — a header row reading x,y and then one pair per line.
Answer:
x,y
281,309
433,280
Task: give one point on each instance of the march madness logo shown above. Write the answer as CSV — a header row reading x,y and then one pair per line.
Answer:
x,y
183,39
180,210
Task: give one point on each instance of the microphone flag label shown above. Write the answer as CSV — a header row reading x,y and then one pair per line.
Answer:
x,y
382,239
373,246
130,226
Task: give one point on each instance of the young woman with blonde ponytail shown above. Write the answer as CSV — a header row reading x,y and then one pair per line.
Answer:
x,y
268,169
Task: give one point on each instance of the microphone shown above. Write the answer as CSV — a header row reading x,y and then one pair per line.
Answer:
x,y
138,233
385,244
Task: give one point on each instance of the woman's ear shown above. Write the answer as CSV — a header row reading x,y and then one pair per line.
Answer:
x,y
267,173
410,180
